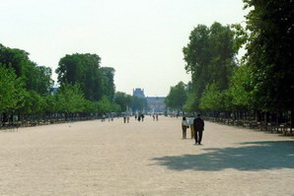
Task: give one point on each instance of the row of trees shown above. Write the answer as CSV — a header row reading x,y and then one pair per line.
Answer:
x,y
85,86
22,82
261,83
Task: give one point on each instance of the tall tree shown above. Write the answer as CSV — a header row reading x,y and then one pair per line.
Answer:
x,y
177,97
36,78
210,58
197,55
82,69
15,58
108,82
270,53
223,55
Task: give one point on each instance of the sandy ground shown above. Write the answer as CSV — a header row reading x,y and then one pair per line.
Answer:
x,y
149,158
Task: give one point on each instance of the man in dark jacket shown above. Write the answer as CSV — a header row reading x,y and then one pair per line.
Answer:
x,y
199,128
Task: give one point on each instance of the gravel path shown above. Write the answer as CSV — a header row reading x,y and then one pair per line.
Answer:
x,y
143,158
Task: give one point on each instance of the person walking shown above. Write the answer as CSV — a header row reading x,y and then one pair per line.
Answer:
x,y
184,127
198,128
190,123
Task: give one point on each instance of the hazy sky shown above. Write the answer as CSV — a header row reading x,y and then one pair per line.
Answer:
x,y
141,39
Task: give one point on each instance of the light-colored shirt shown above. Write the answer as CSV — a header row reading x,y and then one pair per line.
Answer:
x,y
191,120
184,123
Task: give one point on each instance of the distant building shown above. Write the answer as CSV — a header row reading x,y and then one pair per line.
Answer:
x,y
138,93
156,104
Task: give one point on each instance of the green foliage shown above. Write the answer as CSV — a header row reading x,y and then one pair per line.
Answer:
x,y
14,58
33,103
82,69
25,82
11,91
191,103
270,53
37,78
177,97
24,86
215,100
95,82
197,56
51,105
108,82
106,106
210,57
264,81
70,99
241,88
91,106
240,36
211,98
123,100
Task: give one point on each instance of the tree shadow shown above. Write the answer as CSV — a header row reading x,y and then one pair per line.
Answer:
x,y
251,156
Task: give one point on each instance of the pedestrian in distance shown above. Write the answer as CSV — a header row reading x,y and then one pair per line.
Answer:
x,y
185,125
198,128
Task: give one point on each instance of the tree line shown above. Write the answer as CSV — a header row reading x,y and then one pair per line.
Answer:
x,y
260,85
85,88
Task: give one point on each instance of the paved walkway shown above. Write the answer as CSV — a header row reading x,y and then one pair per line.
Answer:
x,y
147,158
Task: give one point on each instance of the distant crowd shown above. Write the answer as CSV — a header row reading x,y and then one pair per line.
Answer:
x,y
140,118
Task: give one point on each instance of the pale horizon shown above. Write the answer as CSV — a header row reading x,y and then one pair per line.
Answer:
x,y
142,40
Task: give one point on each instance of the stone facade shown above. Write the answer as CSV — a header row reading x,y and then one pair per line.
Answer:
x,y
156,104
138,93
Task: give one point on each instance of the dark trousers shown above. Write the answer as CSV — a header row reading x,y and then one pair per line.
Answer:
x,y
198,136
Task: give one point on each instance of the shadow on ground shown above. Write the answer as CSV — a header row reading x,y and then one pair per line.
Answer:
x,y
251,156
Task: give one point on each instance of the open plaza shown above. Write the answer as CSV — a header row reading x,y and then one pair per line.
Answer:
x,y
143,158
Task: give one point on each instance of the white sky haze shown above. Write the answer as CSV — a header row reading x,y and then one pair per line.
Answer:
x,y
141,39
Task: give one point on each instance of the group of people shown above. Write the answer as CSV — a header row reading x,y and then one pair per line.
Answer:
x,y
155,117
126,118
196,126
140,117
